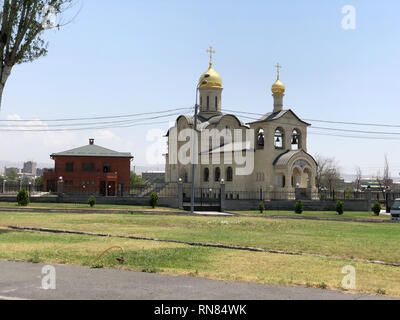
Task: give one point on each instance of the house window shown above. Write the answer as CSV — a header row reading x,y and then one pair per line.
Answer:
x,y
88,166
106,168
69,167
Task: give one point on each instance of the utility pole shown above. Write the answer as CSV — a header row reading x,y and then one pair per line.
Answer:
x,y
194,149
195,141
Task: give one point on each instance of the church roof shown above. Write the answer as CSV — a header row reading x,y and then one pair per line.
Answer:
x,y
203,123
284,158
271,116
232,147
92,150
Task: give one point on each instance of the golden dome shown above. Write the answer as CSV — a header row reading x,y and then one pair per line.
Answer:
x,y
214,80
278,87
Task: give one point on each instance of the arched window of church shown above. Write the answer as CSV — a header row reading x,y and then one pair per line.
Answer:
x,y
260,139
278,138
208,103
229,174
217,175
201,101
296,140
206,175
186,177
216,103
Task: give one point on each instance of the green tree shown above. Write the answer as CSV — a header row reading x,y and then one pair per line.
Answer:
x,y
91,201
12,175
39,181
340,207
153,199
376,208
23,198
135,179
23,23
298,208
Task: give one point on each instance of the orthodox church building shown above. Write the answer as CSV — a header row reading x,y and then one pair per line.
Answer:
x,y
281,168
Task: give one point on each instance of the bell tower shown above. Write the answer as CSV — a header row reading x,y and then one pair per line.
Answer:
x,y
210,88
278,91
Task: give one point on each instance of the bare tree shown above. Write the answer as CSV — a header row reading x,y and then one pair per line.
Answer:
x,y
21,35
357,181
328,174
322,163
384,181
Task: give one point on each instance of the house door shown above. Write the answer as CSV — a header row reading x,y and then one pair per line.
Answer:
x,y
103,188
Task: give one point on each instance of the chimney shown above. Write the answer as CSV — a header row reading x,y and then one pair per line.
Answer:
x,y
91,141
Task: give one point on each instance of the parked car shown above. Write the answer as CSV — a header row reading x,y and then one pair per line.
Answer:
x,y
395,212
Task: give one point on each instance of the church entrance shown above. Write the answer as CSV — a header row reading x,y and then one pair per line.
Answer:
x,y
301,182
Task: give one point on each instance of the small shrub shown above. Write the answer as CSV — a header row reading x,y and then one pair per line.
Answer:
x,y
91,201
340,207
298,208
376,208
322,285
381,292
34,257
261,207
153,199
23,198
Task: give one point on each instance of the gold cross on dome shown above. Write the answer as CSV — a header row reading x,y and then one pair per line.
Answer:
x,y
211,52
278,67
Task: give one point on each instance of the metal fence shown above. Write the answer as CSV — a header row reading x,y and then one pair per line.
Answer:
x,y
162,189
13,187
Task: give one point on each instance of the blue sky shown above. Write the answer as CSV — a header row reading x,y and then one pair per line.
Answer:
x,y
123,57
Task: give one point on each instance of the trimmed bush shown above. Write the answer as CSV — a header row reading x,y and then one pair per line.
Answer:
x,y
91,201
340,207
23,198
298,208
261,207
153,199
376,208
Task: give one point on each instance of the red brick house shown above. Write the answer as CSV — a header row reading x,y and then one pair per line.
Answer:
x,y
90,169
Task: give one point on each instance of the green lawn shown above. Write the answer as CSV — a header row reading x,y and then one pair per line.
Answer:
x,y
370,241
320,214
178,259
86,206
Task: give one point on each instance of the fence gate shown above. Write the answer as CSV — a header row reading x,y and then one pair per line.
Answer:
x,y
206,199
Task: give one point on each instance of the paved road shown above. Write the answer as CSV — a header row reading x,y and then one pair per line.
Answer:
x,y
23,281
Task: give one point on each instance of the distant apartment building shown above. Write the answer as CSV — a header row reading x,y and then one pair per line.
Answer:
x,y
29,168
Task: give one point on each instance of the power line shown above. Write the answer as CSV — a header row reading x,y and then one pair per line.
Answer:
x,y
96,118
334,129
131,124
326,121
88,123
354,137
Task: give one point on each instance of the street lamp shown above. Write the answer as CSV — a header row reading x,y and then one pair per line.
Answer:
x,y
195,140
